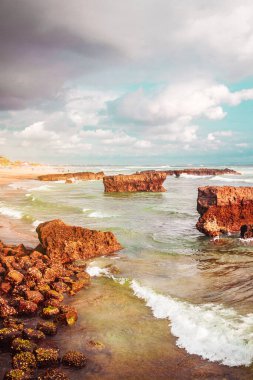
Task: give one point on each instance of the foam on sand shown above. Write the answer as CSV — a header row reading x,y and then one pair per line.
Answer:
x,y
12,213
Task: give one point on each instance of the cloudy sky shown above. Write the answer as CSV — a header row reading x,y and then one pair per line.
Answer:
x,y
136,81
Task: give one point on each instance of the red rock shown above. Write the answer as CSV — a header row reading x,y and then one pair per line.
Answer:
x,y
5,287
34,273
34,296
148,182
15,277
81,176
224,209
64,243
27,307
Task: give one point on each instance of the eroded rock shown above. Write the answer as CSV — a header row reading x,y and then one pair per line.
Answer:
x,y
147,182
224,209
71,177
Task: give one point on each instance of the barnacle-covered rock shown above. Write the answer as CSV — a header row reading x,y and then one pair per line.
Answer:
x,y
23,345
34,335
47,357
74,359
24,360
48,328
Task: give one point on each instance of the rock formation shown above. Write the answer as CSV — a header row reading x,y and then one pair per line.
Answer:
x,y
224,209
195,171
64,243
135,182
82,176
34,284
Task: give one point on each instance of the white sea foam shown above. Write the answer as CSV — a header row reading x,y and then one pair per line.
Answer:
x,y
99,214
16,186
60,181
210,331
232,179
36,223
193,176
246,241
97,271
41,188
7,211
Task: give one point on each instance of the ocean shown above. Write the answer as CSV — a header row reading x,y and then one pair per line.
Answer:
x,y
179,305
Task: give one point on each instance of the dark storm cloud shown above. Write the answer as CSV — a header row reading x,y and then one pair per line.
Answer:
x,y
38,56
48,44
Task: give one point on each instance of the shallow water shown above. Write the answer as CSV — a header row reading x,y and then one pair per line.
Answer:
x,y
186,296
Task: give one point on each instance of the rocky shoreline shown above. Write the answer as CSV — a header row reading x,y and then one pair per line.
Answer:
x,y
33,284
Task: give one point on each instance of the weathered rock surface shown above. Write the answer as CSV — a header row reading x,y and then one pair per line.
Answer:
x,y
224,209
70,177
150,181
64,243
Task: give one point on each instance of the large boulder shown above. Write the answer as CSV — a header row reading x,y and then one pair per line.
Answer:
x,y
70,177
224,209
64,243
150,181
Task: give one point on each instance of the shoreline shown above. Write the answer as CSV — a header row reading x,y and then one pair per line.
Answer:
x,y
206,368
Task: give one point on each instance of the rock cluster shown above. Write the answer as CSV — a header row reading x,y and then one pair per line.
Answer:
x,y
70,177
32,284
224,209
120,183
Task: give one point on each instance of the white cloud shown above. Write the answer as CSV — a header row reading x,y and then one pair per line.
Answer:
x,y
184,101
37,131
84,107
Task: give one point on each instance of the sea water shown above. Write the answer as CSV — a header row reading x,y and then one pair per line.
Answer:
x,y
181,305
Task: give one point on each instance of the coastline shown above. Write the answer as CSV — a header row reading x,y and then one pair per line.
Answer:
x,y
97,298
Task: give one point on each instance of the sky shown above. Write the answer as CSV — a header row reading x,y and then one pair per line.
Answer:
x,y
126,82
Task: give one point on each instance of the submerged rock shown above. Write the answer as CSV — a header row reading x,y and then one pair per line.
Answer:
x,y
20,345
48,328
18,374
47,357
224,209
53,374
35,335
24,360
74,359
7,334
64,243
147,182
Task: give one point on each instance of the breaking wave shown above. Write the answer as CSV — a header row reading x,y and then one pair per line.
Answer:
x,y
224,179
211,331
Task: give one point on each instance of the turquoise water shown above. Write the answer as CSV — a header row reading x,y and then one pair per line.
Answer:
x,y
192,294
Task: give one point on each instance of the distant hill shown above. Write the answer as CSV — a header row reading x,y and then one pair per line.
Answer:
x,y
4,161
